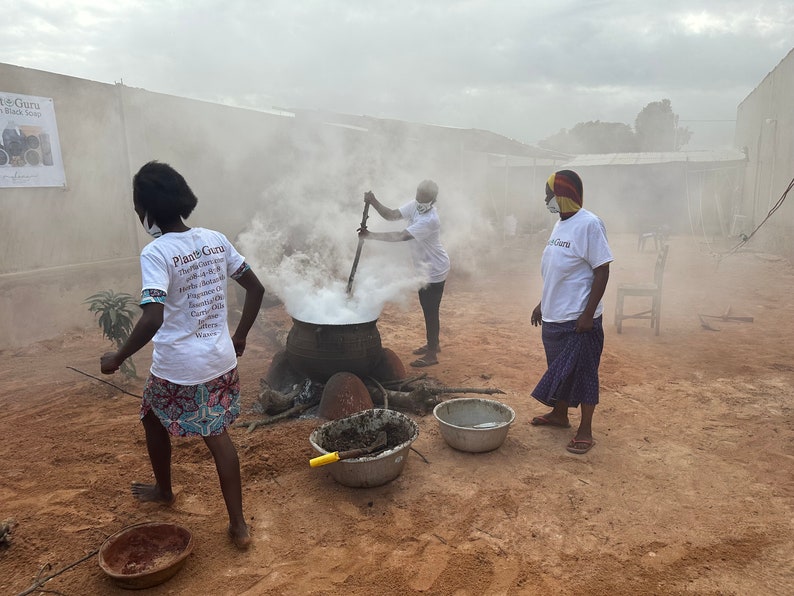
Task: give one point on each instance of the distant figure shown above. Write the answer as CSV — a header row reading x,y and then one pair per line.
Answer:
x,y
193,387
429,257
575,270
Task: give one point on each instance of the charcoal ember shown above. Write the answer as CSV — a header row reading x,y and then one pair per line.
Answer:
x,y
311,392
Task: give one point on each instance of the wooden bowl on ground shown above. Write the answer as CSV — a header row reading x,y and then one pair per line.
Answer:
x,y
145,555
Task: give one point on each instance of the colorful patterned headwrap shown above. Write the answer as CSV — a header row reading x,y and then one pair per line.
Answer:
x,y
567,187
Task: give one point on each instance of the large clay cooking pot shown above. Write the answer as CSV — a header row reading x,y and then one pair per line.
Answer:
x,y
320,351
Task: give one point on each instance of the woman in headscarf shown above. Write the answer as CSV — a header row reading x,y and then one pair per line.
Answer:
x,y
575,270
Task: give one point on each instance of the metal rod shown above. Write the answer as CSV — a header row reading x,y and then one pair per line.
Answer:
x,y
103,381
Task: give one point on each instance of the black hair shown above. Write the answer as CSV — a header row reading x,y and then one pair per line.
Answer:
x,y
163,193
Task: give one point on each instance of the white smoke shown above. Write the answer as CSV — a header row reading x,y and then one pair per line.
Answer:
x,y
308,266
303,239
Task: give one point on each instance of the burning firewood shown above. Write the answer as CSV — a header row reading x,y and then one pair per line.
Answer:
x,y
294,411
273,402
419,399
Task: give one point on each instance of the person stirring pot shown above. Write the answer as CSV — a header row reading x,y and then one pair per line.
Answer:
x,y
429,257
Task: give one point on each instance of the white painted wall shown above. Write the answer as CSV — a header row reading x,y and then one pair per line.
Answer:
x,y
765,126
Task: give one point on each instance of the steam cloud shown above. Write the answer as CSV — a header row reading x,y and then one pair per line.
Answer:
x,y
302,244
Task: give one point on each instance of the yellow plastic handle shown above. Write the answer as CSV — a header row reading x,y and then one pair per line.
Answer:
x,y
328,458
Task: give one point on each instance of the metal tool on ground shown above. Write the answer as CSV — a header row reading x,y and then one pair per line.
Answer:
x,y
706,325
726,316
329,458
364,217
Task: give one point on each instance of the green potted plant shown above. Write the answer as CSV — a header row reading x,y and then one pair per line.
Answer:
x,y
116,321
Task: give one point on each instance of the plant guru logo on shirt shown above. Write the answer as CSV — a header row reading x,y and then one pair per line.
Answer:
x,y
205,250
558,242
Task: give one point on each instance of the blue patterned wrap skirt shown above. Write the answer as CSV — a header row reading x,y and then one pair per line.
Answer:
x,y
573,360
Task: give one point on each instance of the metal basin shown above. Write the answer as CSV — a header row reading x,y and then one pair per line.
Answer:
x,y
474,424
360,430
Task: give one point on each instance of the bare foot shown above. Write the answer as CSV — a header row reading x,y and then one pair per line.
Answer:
x,y
147,493
241,537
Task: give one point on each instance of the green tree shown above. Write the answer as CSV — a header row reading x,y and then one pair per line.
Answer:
x,y
593,137
656,128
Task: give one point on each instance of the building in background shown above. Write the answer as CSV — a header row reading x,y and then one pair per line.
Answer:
x,y
60,243
765,133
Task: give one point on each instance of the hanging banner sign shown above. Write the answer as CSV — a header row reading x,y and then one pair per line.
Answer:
x,y
30,152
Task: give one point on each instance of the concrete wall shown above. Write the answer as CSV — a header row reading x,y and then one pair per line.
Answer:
x,y
765,127
58,246
44,228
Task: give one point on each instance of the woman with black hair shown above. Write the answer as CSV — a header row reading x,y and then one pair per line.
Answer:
x,y
193,387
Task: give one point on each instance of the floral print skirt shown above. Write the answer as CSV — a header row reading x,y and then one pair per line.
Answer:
x,y
205,410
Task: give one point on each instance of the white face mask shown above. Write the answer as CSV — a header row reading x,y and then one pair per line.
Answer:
x,y
153,230
424,207
553,206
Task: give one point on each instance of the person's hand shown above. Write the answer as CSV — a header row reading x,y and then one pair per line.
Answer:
x,y
109,363
239,345
584,323
369,197
537,316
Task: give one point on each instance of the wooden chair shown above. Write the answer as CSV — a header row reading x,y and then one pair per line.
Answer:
x,y
649,235
651,290
656,233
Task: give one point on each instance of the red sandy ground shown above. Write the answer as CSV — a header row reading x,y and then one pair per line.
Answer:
x,y
689,489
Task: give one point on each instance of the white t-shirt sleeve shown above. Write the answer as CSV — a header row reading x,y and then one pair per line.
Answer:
x,y
597,251
154,270
407,211
234,259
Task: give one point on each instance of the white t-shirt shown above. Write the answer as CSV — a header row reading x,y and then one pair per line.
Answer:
x,y
577,246
428,254
193,345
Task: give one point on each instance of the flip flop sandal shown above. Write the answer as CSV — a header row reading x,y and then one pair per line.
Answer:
x,y
423,350
543,421
422,363
572,446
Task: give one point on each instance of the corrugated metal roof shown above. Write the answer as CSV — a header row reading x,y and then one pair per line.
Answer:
x,y
658,157
350,126
500,160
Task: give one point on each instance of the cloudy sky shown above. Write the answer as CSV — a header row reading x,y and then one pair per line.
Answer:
x,y
521,68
